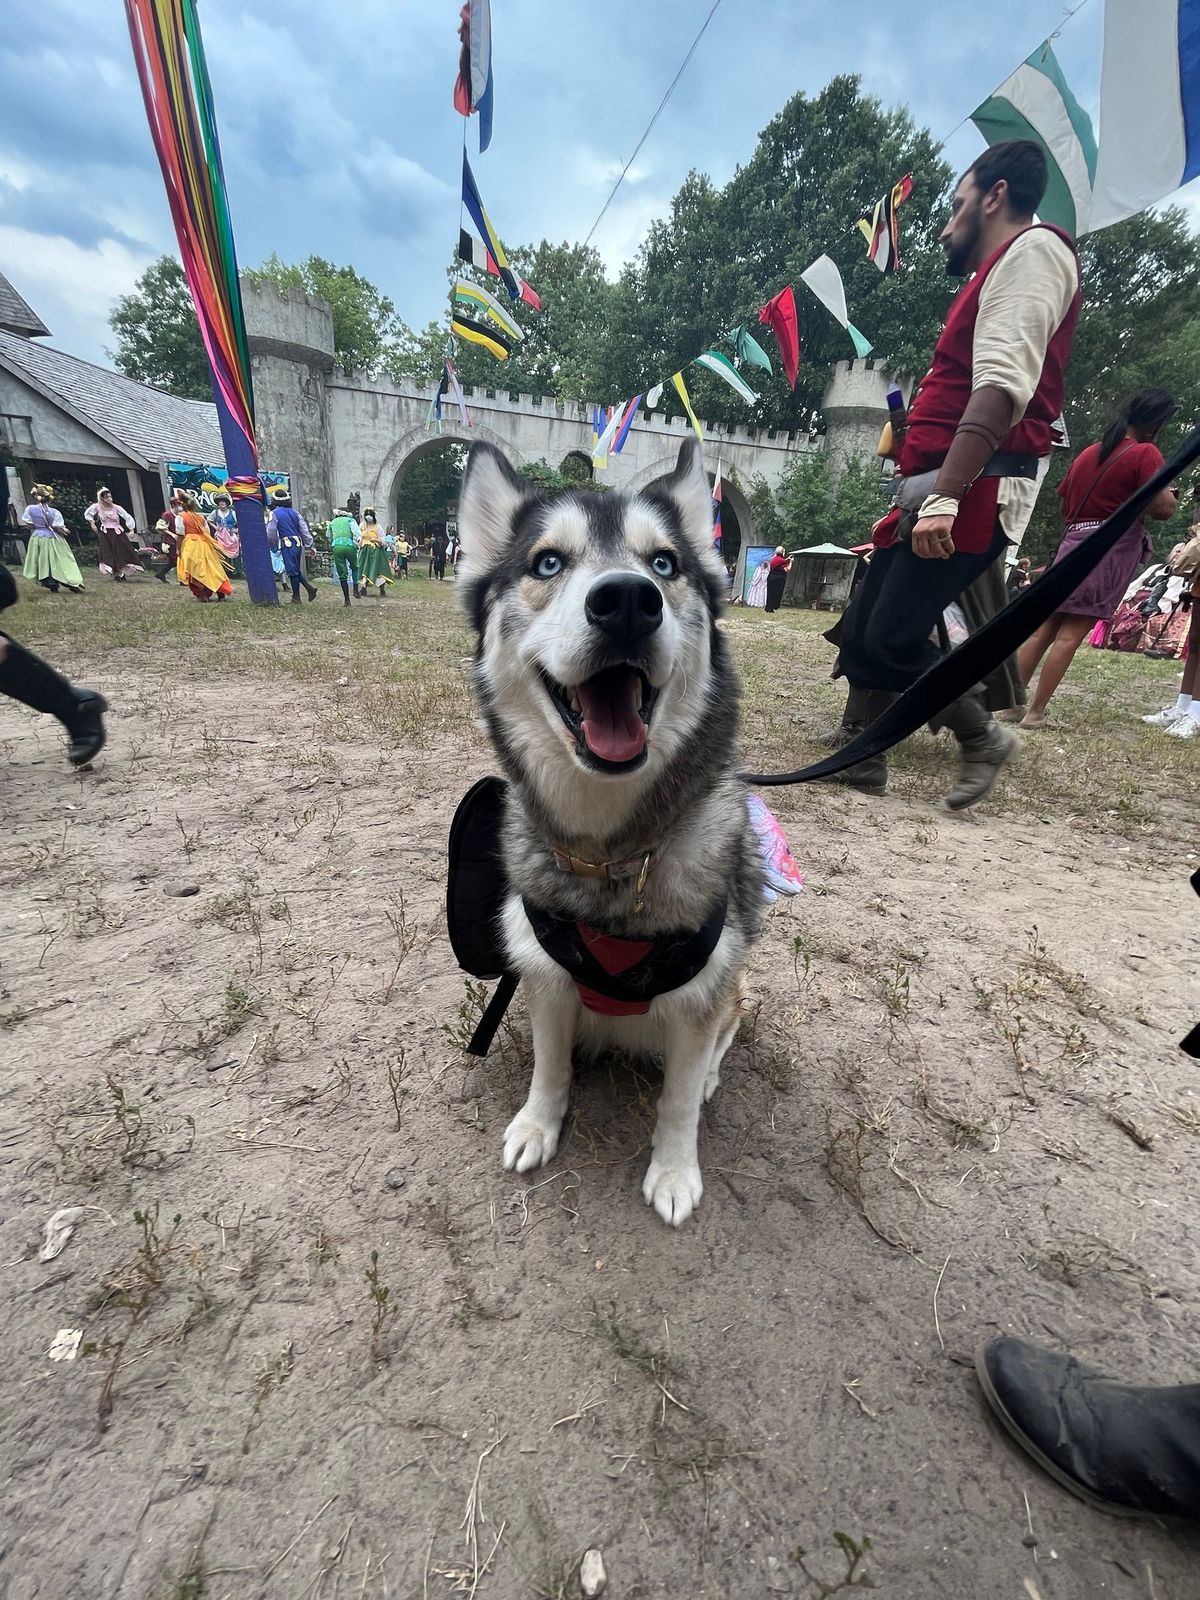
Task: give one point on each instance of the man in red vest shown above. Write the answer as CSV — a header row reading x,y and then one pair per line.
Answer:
x,y
968,466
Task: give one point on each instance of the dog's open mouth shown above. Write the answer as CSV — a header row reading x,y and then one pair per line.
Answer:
x,y
608,713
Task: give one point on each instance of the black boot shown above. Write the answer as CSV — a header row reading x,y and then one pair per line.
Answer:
x,y
869,776
1123,1449
311,587
35,684
345,592
854,717
985,749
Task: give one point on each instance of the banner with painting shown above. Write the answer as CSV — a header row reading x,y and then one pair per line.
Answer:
x,y
204,482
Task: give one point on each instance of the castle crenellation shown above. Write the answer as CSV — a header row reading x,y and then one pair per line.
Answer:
x,y
338,431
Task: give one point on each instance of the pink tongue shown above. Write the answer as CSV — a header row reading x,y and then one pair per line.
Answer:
x,y
612,728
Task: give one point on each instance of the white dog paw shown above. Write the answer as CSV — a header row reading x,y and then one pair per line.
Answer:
x,y
673,1188
530,1140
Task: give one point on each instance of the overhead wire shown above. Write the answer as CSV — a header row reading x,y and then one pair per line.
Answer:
x,y
650,125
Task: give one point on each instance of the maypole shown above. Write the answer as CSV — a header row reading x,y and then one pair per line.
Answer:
x,y
169,52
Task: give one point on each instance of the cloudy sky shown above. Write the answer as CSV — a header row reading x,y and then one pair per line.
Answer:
x,y
339,137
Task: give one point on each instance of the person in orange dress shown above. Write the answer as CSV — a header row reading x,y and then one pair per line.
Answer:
x,y
201,565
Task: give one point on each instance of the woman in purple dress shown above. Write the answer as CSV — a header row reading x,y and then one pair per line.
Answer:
x,y
1100,479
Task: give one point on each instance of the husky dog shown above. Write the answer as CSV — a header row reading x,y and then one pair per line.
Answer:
x,y
610,698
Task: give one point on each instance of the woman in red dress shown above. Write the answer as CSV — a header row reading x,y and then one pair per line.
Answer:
x,y
1100,479
778,568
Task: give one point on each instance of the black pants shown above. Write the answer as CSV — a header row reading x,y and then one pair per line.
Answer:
x,y
886,631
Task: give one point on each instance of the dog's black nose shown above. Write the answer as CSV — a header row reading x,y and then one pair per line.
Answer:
x,y
626,606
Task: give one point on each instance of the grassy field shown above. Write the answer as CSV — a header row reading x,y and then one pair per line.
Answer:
x,y
1093,763
329,1350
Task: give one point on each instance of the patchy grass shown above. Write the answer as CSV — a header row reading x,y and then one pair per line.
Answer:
x,y
398,671
1094,760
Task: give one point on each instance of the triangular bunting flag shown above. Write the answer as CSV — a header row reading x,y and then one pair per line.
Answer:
x,y
724,368
1035,103
748,349
677,380
779,314
881,227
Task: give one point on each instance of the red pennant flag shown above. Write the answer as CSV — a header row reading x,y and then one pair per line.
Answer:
x,y
780,316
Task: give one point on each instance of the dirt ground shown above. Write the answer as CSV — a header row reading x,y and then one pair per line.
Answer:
x,y
330,1349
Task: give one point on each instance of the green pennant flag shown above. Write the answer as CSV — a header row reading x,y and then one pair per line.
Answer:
x,y
1036,103
724,368
748,349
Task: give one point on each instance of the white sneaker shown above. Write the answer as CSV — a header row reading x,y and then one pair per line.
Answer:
x,y
1186,728
1164,718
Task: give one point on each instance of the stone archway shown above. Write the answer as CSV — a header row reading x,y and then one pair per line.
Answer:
x,y
418,442
742,531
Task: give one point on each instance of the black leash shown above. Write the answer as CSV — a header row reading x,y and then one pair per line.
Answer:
x,y
957,673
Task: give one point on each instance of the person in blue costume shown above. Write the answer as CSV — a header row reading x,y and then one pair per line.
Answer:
x,y
288,533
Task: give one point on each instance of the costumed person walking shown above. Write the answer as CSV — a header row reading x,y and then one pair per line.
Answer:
x,y
778,568
343,543
403,551
112,526
288,531
1182,719
438,546
969,452
1100,479
223,524
32,681
166,537
49,559
373,569
200,564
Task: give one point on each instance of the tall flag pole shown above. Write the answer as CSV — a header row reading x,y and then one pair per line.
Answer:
x,y
169,53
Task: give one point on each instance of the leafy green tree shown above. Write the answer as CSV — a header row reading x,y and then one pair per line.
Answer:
x,y
820,501
722,253
545,477
158,337
364,320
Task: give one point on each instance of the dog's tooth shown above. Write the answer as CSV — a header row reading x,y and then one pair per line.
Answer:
x,y
575,706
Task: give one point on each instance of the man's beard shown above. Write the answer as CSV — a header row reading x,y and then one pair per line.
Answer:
x,y
959,254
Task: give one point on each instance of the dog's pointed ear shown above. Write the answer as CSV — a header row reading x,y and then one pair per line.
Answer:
x,y
492,494
690,493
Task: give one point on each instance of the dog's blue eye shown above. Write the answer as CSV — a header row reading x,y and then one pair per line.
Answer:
x,y
548,565
665,564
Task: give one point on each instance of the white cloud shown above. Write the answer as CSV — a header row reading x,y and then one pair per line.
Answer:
x,y
69,286
601,172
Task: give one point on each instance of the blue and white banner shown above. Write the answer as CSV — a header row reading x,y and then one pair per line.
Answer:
x,y
1149,105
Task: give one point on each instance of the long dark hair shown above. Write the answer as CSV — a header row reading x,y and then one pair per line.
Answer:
x,y
1147,410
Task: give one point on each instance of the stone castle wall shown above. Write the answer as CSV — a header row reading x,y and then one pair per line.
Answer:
x,y
338,432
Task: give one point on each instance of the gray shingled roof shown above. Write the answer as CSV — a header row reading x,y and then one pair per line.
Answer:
x,y
16,314
143,423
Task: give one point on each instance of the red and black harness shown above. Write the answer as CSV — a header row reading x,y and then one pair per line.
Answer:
x,y
615,976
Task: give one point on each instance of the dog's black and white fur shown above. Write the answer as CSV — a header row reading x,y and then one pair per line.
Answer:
x,y
561,592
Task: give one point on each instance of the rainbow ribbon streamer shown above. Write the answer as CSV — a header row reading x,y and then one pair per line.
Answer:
x,y
169,53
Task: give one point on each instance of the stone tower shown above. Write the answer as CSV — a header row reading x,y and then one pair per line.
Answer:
x,y
290,334
855,409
